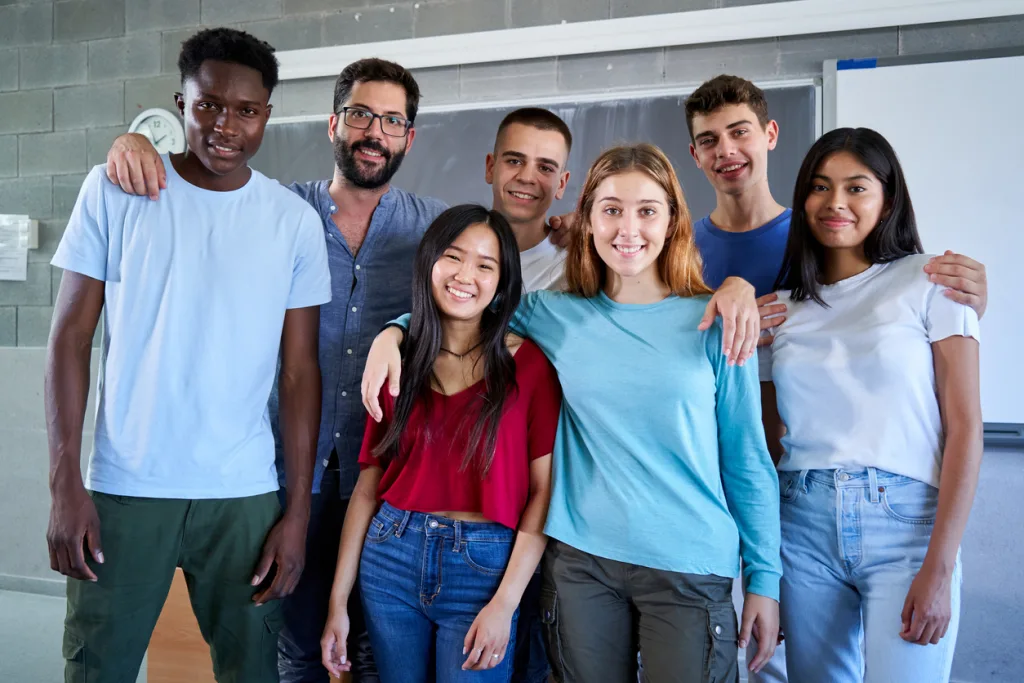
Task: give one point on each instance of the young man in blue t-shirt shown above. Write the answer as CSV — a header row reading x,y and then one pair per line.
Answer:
x,y
202,293
745,235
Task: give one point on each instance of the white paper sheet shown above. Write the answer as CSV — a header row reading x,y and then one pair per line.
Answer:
x,y
14,232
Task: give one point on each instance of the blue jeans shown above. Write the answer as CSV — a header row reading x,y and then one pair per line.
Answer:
x,y
852,543
305,610
424,580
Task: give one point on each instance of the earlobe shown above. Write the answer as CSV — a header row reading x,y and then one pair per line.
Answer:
x,y
489,169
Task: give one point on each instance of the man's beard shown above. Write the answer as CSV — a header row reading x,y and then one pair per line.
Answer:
x,y
345,160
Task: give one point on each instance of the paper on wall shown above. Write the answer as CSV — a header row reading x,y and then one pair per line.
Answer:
x,y
14,234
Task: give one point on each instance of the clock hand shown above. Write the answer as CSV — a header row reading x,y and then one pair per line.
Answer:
x,y
157,141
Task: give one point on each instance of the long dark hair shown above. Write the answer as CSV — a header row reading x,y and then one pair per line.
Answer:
x,y
423,341
895,237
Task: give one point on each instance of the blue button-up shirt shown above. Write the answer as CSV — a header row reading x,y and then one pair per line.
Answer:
x,y
367,291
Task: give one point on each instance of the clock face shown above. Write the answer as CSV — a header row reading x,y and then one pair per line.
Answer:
x,y
162,128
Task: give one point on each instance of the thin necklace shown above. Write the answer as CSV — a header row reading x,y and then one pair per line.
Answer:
x,y
462,355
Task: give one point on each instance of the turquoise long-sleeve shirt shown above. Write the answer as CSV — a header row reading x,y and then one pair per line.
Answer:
x,y
660,458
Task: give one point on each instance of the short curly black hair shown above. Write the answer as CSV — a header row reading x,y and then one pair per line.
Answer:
x,y
228,45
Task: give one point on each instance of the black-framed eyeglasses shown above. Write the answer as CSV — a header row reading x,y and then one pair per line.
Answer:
x,y
394,126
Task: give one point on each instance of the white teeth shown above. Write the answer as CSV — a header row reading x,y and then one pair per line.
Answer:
x,y
459,294
223,149
521,195
371,154
628,250
728,169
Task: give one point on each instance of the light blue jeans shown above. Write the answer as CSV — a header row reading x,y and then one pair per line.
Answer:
x,y
852,543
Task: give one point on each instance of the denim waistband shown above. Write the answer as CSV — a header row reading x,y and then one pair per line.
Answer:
x,y
855,477
445,527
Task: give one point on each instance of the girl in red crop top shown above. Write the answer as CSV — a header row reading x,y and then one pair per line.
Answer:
x,y
445,526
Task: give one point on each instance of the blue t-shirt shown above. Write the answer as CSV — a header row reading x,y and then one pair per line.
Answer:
x,y
755,256
660,458
197,285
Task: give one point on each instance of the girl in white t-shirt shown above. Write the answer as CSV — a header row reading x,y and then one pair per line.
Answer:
x,y
876,375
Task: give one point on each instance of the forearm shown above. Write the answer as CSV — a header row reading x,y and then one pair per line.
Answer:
x,y
527,550
66,394
361,508
300,397
771,421
961,464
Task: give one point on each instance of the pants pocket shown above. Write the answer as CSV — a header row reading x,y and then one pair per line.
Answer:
x,y
272,625
549,620
73,651
721,663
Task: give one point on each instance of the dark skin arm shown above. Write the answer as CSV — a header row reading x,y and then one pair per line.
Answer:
x,y
299,389
74,523
774,430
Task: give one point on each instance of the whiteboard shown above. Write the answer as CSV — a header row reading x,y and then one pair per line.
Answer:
x,y
956,128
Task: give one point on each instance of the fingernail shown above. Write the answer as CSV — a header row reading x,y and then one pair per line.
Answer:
x,y
343,659
463,650
255,580
743,643
99,557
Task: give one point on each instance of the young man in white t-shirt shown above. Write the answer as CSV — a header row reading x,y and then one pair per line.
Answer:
x,y
202,292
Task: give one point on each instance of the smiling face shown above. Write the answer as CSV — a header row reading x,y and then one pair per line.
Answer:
x,y
846,202
629,221
367,157
527,172
225,108
731,147
464,280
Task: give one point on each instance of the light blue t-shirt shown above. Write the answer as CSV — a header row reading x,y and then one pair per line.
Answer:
x,y
197,285
660,458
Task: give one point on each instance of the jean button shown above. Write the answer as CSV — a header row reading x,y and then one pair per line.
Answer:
x,y
433,524
844,477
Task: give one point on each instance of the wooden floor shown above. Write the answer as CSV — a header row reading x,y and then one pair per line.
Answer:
x,y
177,652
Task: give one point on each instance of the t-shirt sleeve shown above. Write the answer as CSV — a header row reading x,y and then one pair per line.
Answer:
x,y
545,406
946,318
374,434
85,246
311,276
748,476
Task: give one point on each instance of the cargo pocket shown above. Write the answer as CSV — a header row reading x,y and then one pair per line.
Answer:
x,y
549,618
73,650
272,625
721,662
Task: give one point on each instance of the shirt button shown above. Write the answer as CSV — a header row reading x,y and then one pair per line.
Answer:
x,y
344,393
337,435
333,209
433,524
354,309
358,268
348,351
718,630
326,462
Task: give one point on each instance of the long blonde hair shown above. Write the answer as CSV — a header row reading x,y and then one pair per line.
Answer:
x,y
679,263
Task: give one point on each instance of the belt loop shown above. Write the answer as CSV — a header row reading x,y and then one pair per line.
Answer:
x,y
402,524
801,481
873,485
458,536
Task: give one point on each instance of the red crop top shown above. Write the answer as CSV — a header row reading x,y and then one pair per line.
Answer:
x,y
427,476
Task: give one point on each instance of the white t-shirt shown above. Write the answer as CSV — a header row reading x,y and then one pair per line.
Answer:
x,y
543,267
856,381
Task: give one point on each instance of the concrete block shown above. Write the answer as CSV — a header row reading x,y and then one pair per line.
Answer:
x,y
437,86
128,57
149,92
35,291
306,96
8,156
26,111
803,55
544,12
639,8
289,33
752,59
8,70
528,78
98,142
220,12
368,25
170,48
54,65
50,232
87,106
613,71
444,17
963,35
51,153
32,196
155,15
306,6
77,20
65,193
26,25
8,326
34,325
